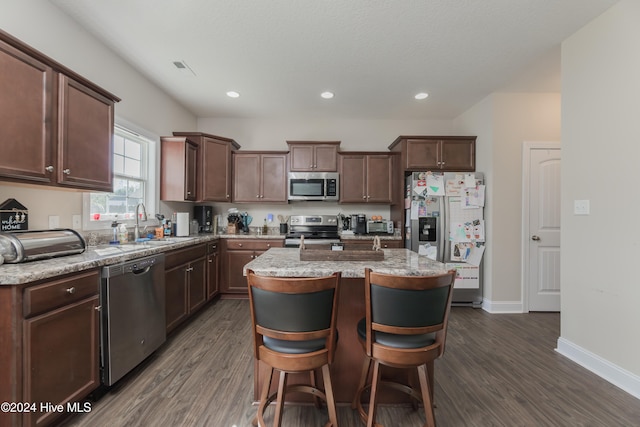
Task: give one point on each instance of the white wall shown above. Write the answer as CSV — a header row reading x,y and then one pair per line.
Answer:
x,y
502,122
45,28
355,135
600,155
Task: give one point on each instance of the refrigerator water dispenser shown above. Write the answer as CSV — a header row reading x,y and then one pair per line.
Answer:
x,y
427,229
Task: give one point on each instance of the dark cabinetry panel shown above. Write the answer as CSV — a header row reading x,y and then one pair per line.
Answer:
x,y
312,156
185,283
57,128
366,177
61,343
259,177
213,164
236,254
178,169
446,153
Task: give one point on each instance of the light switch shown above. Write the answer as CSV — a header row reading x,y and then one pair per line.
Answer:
x,y
54,221
581,207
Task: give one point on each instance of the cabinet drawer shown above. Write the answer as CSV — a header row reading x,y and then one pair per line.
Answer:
x,y
41,298
258,245
184,256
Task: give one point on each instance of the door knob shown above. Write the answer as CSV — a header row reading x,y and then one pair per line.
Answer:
x,y
536,238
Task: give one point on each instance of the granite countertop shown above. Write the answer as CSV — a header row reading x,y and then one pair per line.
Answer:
x,y
285,262
102,255
93,257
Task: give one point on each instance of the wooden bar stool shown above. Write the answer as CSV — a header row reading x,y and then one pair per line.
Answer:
x,y
405,327
294,330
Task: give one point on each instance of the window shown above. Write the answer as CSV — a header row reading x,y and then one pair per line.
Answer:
x,y
131,183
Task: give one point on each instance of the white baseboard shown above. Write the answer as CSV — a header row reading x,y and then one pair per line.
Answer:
x,y
617,376
502,306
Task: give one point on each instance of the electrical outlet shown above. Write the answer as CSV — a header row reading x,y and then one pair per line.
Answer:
x,y
76,222
54,221
581,207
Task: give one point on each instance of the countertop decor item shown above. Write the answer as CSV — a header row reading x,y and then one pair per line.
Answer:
x,y
13,216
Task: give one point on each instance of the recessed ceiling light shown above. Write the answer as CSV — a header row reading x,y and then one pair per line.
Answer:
x,y
421,95
327,95
233,94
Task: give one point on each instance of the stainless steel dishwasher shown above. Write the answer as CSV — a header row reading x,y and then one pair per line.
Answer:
x,y
132,325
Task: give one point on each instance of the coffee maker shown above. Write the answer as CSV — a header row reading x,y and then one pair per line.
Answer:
x,y
204,216
360,226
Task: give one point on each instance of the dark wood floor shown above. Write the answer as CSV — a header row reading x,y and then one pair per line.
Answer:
x,y
498,370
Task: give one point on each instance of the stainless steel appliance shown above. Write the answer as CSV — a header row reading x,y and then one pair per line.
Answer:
x,y
380,227
316,229
313,186
360,226
204,216
22,246
132,323
435,224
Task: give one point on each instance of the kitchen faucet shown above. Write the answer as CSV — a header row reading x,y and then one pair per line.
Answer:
x,y
136,231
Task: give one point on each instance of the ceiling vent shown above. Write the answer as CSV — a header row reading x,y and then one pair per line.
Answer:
x,y
183,67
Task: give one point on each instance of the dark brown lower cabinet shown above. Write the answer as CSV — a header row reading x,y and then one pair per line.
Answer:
x,y
61,358
49,347
236,254
185,283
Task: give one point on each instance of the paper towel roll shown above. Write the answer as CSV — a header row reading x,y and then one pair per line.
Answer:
x,y
182,224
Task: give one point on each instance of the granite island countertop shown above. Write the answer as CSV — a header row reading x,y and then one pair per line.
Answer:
x,y
285,262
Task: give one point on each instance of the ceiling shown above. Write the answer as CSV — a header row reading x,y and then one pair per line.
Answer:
x,y
375,55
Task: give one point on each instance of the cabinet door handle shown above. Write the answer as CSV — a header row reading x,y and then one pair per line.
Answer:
x,y
227,196
49,168
210,261
268,245
66,171
257,195
98,308
71,290
536,238
240,244
190,269
364,197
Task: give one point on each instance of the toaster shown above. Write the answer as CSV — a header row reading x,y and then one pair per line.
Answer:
x,y
380,227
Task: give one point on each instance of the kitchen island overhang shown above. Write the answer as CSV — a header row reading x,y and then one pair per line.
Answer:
x,y
349,357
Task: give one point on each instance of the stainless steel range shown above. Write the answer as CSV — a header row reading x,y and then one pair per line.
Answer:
x,y
316,229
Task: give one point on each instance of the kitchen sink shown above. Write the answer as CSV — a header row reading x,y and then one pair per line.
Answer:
x,y
133,246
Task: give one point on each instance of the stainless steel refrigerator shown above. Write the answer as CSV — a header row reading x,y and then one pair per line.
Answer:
x,y
445,221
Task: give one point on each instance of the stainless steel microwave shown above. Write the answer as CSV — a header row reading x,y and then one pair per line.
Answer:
x,y
313,186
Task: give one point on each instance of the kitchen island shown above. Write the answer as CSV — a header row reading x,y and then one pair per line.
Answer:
x,y
285,262
345,370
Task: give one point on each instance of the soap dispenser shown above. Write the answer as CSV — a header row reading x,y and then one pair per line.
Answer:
x,y
114,238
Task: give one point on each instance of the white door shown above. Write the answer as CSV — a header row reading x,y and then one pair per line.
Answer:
x,y
542,230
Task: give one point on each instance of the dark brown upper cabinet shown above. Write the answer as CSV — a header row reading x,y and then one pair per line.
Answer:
x,y
313,156
57,127
214,178
445,153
